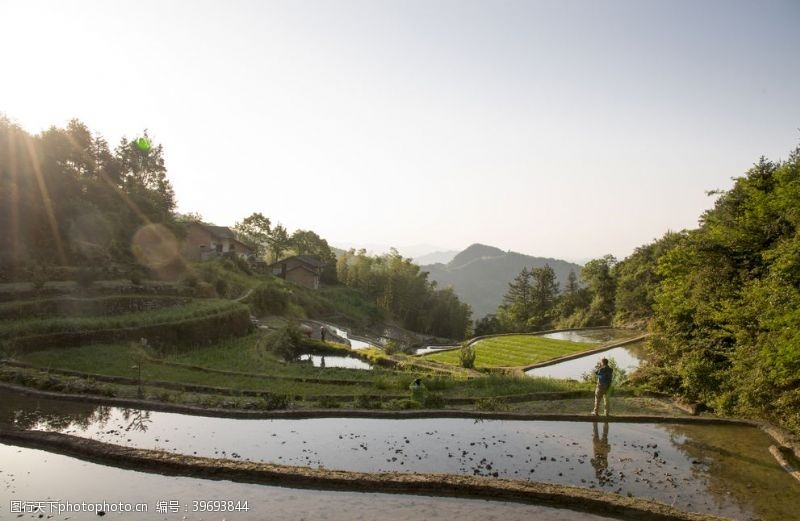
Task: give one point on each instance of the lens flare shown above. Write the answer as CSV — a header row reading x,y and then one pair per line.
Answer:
x,y
154,246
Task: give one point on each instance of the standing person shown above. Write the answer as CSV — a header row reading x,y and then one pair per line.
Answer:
x,y
604,376
322,333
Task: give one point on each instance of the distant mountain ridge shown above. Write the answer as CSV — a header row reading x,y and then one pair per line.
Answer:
x,y
436,257
480,274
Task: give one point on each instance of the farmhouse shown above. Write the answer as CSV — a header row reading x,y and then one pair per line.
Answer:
x,y
299,269
204,241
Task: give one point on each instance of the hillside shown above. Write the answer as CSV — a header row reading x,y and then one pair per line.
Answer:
x,y
480,274
436,257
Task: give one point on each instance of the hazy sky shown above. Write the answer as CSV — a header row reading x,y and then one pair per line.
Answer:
x,y
565,129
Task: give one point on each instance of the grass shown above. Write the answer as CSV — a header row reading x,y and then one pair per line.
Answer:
x,y
242,354
245,355
117,360
195,309
513,351
349,305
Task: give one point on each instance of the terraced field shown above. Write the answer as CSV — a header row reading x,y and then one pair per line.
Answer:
x,y
514,351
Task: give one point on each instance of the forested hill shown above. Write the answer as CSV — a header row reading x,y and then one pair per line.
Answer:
x,y
480,274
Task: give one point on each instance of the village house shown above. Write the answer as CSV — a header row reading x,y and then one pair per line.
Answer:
x,y
205,241
304,270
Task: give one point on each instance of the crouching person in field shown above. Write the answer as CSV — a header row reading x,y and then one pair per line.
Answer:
x,y
604,376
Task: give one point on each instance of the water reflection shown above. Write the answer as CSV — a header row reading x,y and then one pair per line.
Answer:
x,y
627,358
592,336
723,470
138,420
601,449
32,475
343,362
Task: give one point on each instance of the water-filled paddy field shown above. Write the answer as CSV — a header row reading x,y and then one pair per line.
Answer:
x,y
344,362
720,469
626,357
36,475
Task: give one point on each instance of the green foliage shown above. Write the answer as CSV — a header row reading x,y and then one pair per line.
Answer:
x,y
512,351
274,402
363,401
221,287
530,304
433,401
399,288
466,356
491,404
190,280
726,319
488,325
286,342
638,280
392,347
402,404
329,402
254,230
61,324
73,199
306,242
269,299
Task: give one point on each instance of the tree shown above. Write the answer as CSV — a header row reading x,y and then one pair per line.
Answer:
x,y
517,304
487,325
306,242
638,279
254,230
726,320
599,278
279,241
544,294
67,198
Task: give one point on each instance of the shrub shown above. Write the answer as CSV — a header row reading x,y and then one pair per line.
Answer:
x,y
365,402
269,299
392,347
467,356
136,276
221,287
274,401
433,401
328,402
190,280
242,265
491,404
402,404
285,342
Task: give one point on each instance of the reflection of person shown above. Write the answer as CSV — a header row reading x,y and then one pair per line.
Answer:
x,y
604,376
601,449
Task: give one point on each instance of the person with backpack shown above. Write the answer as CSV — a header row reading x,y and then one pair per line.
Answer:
x,y
605,375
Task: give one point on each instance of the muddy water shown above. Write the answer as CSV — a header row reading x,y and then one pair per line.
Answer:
x,y
724,470
344,362
627,358
34,475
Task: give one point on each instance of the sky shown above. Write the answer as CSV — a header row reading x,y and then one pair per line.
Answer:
x,y
565,129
